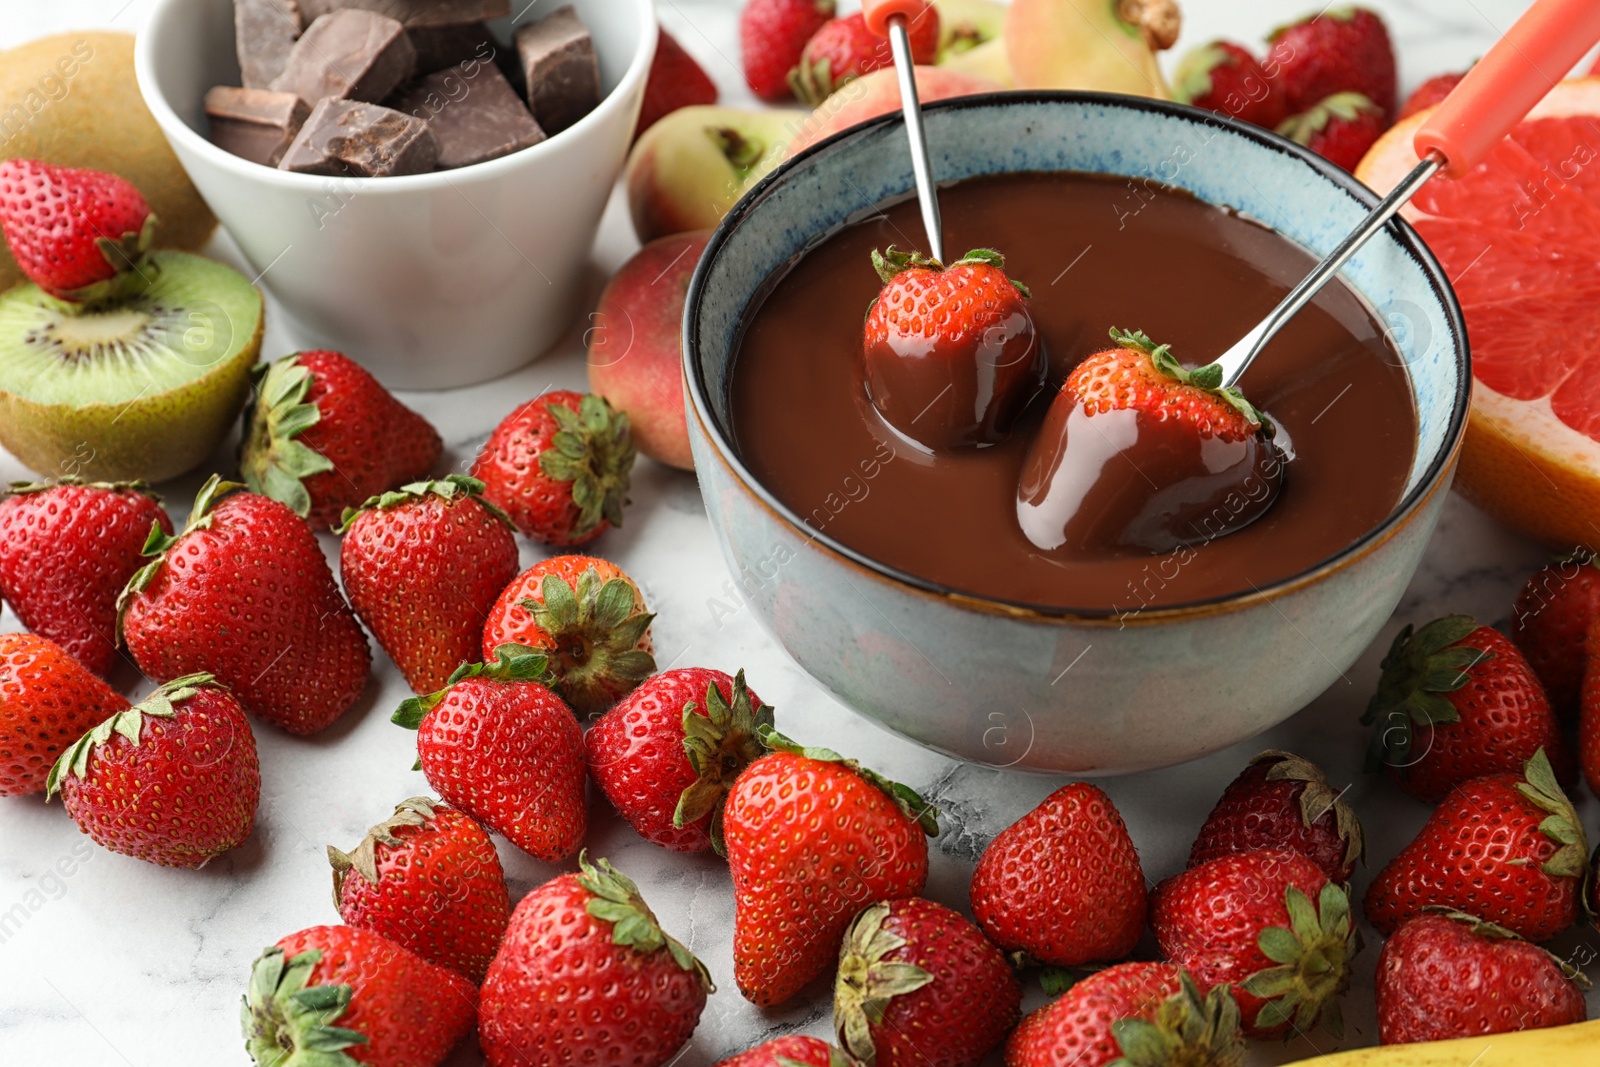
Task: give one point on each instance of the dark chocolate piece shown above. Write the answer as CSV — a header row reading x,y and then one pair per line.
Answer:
x,y
416,12
473,111
257,124
264,32
439,47
360,140
558,61
348,55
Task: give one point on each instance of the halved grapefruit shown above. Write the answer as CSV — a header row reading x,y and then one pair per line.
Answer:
x,y
1519,238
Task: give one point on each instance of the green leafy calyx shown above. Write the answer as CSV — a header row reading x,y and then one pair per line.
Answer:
x,y
1346,107
1561,824
905,798
592,449
272,460
286,1021
1188,1029
416,811
615,899
127,724
594,630
1207,378
159,543
868,981
511,663
719,745
1312,956
1422,668
452,488
893,262
30,488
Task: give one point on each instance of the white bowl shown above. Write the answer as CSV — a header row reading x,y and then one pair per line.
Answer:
x,y
430,280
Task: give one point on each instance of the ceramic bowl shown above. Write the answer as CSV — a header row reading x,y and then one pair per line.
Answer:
x,y
430,280
1163,685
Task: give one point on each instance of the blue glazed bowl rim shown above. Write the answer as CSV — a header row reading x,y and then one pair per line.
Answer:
x,y
1404,234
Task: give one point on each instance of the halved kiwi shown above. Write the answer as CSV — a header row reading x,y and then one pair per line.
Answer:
x,y
144,387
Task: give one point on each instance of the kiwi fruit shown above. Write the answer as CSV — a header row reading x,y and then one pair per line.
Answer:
x,y
140,388
72,100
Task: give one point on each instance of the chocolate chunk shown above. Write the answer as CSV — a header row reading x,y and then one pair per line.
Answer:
x,y
562,73
360,140
265,31
416,12
348,55
439,47
473,111
257,124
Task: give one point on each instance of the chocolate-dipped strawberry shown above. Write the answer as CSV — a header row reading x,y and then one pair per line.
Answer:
x,y
951,355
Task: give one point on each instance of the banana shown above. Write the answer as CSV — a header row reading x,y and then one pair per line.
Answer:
x,y
1577,1045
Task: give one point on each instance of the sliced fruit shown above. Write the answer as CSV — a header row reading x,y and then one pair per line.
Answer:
x,y
1518,238
143,388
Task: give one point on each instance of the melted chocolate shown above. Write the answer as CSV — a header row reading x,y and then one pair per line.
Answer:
x,y
1097,252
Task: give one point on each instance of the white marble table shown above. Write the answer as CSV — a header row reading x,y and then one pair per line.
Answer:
x,y
108,961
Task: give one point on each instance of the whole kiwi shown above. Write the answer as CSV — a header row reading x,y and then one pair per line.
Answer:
x,y
72,100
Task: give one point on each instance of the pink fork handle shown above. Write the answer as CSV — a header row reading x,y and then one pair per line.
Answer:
x,y
879,12
1535,53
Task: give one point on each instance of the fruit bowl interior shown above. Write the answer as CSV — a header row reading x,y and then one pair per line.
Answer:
x,y
945,667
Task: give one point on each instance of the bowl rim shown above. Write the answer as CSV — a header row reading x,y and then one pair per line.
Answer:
x,y
1409,240
174,126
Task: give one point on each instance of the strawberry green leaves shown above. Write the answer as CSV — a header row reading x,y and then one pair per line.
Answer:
x,y
616,900
909,802
273,462
1187,1028
595,630
1313,963
867,981
1207,378
452,488
128,724
511,663
719,745
1421,667
594,451
1561,824
281,1013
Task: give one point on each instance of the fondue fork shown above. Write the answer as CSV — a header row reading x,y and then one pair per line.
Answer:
x,y
1497,93
891,19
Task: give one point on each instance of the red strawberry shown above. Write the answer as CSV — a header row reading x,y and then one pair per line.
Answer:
x,y
336,995
1506,847
1457,701
500,746
587,975
978,357
1589,714
47,702
66,551
1269,924
675,81
243,592
1283,801
589,620
1445,974
322,435
1134,1014
772,34
559,466
1062,885
1340,128
668,754
1338,50
1186,419
1431,92
813,838
422,567
844,49
173,780
1552,614
427,878
919,986
80,235
789,1052
1226,78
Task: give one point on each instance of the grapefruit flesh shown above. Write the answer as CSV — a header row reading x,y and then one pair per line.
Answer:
x,y
1519,238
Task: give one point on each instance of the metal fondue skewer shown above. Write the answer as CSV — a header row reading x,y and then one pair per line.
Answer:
x,y
891,19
